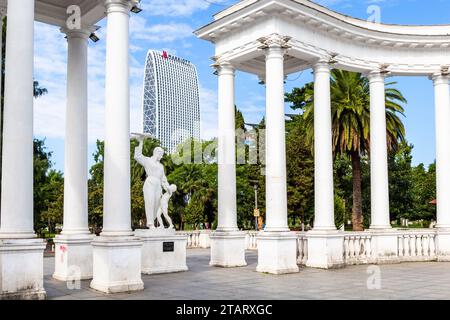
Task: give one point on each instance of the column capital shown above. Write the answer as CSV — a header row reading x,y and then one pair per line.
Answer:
x,y
84,32
123,6
274,44
377,76
442,77
323,65
223,68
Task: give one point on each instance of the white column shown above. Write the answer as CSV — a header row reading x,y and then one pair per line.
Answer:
x,y
76,140
227,243
323,150
117,253
277,247
73,250
442,105
378,154
227,219
2,15
17,165
276,189
117,207
21,253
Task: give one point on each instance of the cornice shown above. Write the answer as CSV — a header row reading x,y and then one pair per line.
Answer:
x,y
364,33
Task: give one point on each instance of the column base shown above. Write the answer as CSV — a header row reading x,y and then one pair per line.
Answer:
x,y
227,249
325,249
22,269
73,257
443,244
385,245
117,264
163,251
277,252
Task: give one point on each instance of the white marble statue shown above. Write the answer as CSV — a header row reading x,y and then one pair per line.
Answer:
x,y
154,184
164,207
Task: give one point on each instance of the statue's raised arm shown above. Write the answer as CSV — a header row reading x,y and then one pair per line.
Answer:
x,y
138,156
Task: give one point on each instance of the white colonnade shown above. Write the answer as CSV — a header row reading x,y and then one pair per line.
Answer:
x,y
77,256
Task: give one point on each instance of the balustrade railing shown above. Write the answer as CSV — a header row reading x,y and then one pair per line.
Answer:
x,y
250,240
417,245
302,248
197,238
357,248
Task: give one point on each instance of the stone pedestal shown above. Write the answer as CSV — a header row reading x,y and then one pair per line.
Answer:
x,y
26,256
117,264
325,249
227,249
73,257
385,246
163,251
277,252
443,244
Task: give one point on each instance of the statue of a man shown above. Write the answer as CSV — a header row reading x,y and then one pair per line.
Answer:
x,y
155,182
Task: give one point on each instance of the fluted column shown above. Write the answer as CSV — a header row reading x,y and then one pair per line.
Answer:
x,y
117,207
378,153
227,219
17,161
76,140
442,110
323,150
276,189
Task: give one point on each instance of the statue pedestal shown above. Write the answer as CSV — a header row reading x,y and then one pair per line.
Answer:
x,y
116,264
163,251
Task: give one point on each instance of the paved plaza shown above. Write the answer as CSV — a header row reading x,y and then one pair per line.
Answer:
x,y
398,281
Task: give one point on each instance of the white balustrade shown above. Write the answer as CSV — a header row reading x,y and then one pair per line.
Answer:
x,y
250,240
412,245
302,248
357,248
416,245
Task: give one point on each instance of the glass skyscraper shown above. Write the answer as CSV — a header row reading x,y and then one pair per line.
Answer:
x,y
171,103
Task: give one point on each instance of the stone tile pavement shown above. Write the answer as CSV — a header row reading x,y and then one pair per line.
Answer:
x,y
202,282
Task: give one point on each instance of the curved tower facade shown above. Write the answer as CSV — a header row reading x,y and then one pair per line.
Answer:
x,y
171,103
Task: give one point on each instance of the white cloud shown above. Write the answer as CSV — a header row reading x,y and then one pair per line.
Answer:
x,y
208,108
179,7
140,30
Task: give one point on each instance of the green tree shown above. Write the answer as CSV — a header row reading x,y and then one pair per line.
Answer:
x,y
95,189
350,109
423,192
54,200
42,164
401,198
300,173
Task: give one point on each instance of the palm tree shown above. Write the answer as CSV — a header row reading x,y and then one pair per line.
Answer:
x,y
350,110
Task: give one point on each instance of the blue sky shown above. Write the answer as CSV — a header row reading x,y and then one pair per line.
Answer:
x,y
168,25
